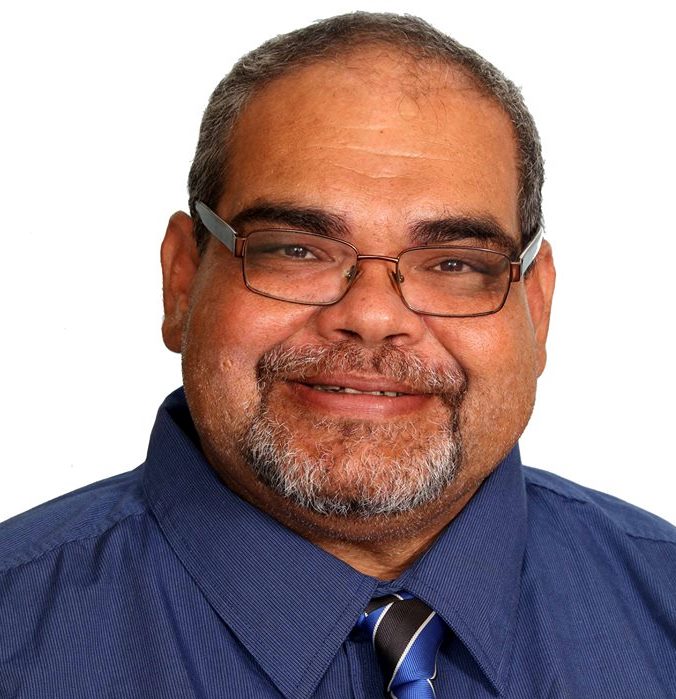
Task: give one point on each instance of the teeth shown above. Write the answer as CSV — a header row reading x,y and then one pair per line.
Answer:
x,y
345,389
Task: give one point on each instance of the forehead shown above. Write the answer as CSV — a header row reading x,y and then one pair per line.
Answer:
x,y
376,136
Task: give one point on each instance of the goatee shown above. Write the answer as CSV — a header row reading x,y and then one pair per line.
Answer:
x,y
352,467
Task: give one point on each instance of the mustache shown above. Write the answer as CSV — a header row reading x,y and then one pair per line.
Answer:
x,y
303,362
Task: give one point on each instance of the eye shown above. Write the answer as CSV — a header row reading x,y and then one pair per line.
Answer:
x,y
290,248
457,265
298,252
463,263
285,250
453,265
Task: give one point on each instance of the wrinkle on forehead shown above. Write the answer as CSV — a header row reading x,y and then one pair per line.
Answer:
x,y
303,134
389,153
413,85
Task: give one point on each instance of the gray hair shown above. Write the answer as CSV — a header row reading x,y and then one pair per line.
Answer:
x,y
326,39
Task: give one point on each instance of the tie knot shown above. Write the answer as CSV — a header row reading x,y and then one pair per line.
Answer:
x,y
406,635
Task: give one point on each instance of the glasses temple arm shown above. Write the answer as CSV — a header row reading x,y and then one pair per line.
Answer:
x,y
530,253
217,226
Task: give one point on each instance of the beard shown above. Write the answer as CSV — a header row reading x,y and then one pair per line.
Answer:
x,y
354,467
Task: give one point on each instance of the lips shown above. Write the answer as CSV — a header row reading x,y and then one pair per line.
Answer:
x,y
356,384
356,398
348,389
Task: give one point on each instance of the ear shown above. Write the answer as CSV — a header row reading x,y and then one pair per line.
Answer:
x,y
180,261
539,284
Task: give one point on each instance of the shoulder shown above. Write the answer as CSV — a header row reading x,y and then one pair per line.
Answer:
x,y
571,501
598,586
606,563
577,532
82,515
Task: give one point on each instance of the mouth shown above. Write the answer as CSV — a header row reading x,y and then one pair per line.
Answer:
x,y
364,385
351,383
347,389
358,397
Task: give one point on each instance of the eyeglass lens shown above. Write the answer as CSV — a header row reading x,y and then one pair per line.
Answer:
x,y
307,268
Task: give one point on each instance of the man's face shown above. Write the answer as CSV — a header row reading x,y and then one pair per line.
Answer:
x,y
380,147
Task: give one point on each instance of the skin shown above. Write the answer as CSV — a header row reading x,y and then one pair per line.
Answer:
x,y
385,144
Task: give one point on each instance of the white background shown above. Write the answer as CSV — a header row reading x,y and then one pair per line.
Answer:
x,y
100,110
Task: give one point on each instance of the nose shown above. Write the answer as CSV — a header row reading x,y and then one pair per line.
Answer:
x,y
372,311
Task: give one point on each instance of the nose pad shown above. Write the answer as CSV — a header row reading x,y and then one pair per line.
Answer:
x,y
397,278
351,274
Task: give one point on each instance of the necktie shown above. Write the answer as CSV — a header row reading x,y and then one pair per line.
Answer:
x,y
406,635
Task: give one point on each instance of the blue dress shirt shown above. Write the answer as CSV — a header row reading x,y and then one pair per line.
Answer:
x,y
163,583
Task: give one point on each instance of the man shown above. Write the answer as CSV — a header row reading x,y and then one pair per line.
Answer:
x,y
334,504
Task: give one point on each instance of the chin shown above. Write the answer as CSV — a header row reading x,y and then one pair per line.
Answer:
x,y
353,469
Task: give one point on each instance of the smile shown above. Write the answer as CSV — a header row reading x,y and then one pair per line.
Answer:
x,y
345,389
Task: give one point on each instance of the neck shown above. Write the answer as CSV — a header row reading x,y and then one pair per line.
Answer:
x,y
384,563
383,547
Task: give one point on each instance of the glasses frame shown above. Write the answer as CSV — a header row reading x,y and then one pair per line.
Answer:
x,y
236,243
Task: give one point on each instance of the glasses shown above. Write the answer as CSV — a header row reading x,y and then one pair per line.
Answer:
x,y
452,281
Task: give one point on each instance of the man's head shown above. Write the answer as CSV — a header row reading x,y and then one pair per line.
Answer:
x,y
328,39
387,145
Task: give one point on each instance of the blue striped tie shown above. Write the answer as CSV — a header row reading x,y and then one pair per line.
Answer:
x,y
406,635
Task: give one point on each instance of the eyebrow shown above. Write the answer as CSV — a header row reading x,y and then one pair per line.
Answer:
x,y
291,216
451,229
455,229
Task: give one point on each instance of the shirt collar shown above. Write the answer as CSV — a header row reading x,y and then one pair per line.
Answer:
x,y
288,602
291,604
471,576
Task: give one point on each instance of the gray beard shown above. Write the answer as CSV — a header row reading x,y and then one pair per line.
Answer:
x,y
424,464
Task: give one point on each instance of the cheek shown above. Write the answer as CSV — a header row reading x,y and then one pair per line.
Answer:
x,y
488,347
499,356
229,328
